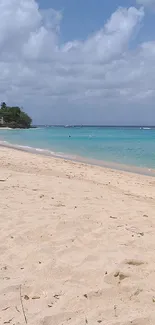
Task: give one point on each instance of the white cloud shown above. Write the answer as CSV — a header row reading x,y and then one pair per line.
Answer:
x,y
111,40
76,81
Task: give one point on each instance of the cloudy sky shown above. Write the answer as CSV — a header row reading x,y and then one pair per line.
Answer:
x,y
79,61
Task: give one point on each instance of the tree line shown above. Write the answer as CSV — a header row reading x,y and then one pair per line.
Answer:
x,y
14,117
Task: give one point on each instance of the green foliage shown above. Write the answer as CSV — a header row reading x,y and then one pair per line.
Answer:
x,y
24,119
3,106
14,117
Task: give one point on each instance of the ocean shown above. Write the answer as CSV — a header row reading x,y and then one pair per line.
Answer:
x,y
131,146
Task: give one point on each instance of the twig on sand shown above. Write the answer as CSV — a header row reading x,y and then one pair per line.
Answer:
x,y
17,309
22,304
9,321
115,310
5,308
4,179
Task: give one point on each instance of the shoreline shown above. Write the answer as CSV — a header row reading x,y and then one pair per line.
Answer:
x,y
5,128
78,159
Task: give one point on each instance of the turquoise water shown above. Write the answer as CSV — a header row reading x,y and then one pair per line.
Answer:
x,y
129,146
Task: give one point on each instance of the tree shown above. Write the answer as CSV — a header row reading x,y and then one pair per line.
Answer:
x,y
3,106
14,117
24,119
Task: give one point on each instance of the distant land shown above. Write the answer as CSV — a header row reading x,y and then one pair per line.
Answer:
x,y
97,126
14,117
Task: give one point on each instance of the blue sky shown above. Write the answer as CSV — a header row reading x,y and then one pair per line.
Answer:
x,y
79,61
83,17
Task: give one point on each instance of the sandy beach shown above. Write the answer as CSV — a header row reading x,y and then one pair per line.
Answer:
x,y
77,243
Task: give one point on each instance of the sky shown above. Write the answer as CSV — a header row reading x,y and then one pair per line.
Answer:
x,y
79,62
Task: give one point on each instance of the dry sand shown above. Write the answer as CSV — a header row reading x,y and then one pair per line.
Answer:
x,y
77,243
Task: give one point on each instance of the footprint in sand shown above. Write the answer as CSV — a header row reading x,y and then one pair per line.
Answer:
x,y
57,319
115,278
134,262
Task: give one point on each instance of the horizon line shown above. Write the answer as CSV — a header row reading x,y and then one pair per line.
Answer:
x,y
91,125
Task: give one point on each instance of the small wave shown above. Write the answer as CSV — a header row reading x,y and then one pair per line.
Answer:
x,y
46,152
146,128
4,143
